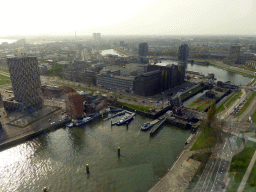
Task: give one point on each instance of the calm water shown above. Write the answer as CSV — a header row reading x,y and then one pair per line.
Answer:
x,y
58,159
220,74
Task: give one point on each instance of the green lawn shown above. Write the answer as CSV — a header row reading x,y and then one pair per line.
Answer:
x,y
239,164
252,81
4,80
188,93
204,105
195,102
246,104
135,107
237,95
203,141
75,86
220,108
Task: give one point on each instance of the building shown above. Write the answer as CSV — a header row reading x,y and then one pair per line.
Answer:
x,y
122,44
183,52
96,37
143,49
234,53
148,83
25,78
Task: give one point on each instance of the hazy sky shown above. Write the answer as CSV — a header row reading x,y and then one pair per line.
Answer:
x,y
145,17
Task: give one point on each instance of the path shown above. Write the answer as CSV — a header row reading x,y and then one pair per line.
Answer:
x,y
247,173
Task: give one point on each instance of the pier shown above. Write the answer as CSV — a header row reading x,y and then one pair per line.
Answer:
x,y
156,126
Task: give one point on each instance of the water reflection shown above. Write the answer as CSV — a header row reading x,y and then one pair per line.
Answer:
x,y
58,159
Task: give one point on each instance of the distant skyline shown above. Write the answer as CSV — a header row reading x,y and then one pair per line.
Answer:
x,y
145,17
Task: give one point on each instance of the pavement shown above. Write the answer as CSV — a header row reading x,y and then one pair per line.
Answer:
x,y
11,135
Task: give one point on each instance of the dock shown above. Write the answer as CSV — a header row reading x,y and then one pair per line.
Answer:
x,y
156,126
115,115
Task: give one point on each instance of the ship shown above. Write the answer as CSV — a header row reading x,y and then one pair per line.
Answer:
x,y
71,124
146,126
83,121
124,120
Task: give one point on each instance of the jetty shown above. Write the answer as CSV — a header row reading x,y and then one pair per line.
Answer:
x,y
115,115
156,126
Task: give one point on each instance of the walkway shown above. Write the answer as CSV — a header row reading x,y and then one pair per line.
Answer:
x,y
247,174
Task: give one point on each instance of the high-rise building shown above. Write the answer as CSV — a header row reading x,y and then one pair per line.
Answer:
x,y
234,53
143,49
96,37
183,52
25,78
122,43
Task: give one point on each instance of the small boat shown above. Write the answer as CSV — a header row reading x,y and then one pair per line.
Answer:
x,y
71,124
146,126
124,120
83,121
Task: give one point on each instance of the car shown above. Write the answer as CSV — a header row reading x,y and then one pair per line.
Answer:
x,y
49,120
151,101
143,101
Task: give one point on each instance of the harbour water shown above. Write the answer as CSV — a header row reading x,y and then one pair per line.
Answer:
x,y
57,160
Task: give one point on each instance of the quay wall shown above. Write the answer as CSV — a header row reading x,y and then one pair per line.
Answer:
x,y
31,134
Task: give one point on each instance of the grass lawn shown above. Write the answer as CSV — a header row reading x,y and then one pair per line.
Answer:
x,y
239,164
246,104
196,102
131,98
252,81
82,88
237,95
203,141
220,108
136,107
4,80
204,105
187,94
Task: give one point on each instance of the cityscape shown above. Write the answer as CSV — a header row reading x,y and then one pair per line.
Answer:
x,y
109,108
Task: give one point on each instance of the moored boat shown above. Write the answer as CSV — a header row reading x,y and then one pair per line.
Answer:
x,y
146,126
124,120
83,121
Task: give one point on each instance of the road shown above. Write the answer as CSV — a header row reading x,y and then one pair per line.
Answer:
x,y
215,174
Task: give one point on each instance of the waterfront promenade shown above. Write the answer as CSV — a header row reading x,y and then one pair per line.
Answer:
x,y
12,135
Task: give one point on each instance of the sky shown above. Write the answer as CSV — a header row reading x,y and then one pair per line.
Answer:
x,y
133,17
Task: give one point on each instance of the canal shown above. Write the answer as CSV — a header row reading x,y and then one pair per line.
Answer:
x,y
58,159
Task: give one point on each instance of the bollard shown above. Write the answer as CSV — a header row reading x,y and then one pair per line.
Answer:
x,y
118,151
45,189
87,168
